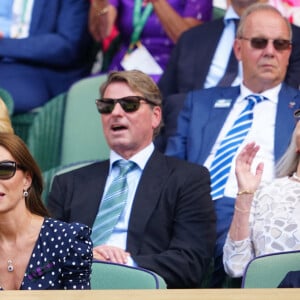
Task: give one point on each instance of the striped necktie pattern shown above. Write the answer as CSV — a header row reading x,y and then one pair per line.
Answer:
x,y
221,165
112,204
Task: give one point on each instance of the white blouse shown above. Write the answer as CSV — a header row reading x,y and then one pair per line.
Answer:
x,y
274,225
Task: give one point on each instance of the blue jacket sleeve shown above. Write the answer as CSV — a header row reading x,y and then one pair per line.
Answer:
x,y
58,35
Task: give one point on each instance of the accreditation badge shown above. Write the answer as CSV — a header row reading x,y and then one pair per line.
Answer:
x,y
141,59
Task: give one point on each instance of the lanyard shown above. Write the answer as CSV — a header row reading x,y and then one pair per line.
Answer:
x,y
139,20
25,2
22,18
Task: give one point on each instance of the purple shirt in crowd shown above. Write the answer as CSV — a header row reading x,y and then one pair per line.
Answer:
x,y
153,36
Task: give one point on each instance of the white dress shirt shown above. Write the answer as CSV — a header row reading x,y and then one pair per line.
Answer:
x,y
21,18
223,51
118,237
262,132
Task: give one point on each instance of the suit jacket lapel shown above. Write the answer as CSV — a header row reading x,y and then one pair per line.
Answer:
x,y
216,120
92,187
214,33
37,14
288,102
146,197
43,9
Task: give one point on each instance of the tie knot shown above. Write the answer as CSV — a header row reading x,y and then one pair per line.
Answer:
x,y
254,99
124,166
236,23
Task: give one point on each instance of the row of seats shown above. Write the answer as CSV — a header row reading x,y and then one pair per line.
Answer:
x,y
265,271
108,276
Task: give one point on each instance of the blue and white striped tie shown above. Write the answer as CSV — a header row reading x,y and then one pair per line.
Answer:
x,y
220,167
112,204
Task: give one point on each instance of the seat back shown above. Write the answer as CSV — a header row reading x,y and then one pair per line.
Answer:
x,y
44,137
109,276
267,271
49,175
83,138
218,12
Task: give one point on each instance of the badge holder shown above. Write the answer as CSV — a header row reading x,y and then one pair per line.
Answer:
x,y
139,58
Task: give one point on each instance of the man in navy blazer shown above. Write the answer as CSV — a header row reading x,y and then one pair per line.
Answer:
x,y
192,56
190,61
168,224
208,114
291,280
55,54
201,117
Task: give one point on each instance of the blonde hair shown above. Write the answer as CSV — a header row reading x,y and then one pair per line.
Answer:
x,y
5,123
288,163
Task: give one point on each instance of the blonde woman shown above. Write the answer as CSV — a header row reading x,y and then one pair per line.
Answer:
x,y
5,123
266,216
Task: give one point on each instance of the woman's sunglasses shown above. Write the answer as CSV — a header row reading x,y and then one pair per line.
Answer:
x,y
8,169
129,104
261,43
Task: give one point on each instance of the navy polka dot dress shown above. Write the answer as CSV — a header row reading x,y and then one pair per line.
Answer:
x,y
61,259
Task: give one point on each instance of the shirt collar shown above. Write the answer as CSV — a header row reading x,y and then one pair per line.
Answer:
x,y
140,158
271,94
229,15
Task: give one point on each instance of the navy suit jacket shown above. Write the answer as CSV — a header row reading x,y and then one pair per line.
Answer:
x,y
291,280
200,122
57,51
193,53
172,223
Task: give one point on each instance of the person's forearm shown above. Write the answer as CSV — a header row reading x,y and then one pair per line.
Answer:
x,y
101,19
239,229
173,24
100,4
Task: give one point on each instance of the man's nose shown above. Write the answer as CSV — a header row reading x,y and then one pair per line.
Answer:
x,y
270,49
118,109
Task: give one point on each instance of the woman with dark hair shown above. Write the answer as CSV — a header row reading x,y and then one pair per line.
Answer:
x,y
36,251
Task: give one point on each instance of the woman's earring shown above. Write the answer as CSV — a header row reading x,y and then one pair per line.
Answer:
x,y
25,193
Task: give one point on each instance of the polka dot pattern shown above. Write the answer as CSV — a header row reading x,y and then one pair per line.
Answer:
x,y
61,259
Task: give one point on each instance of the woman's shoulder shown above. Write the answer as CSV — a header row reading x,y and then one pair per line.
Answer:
x,y
66,229
274,183
276,189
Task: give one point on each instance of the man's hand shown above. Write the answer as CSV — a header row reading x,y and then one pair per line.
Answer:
x,y
99,23
111,254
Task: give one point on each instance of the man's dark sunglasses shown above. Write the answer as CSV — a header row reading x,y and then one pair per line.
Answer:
x,y
128,104
8,169
261,43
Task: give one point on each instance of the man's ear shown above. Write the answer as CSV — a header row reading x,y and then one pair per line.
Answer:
x,y
237,49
